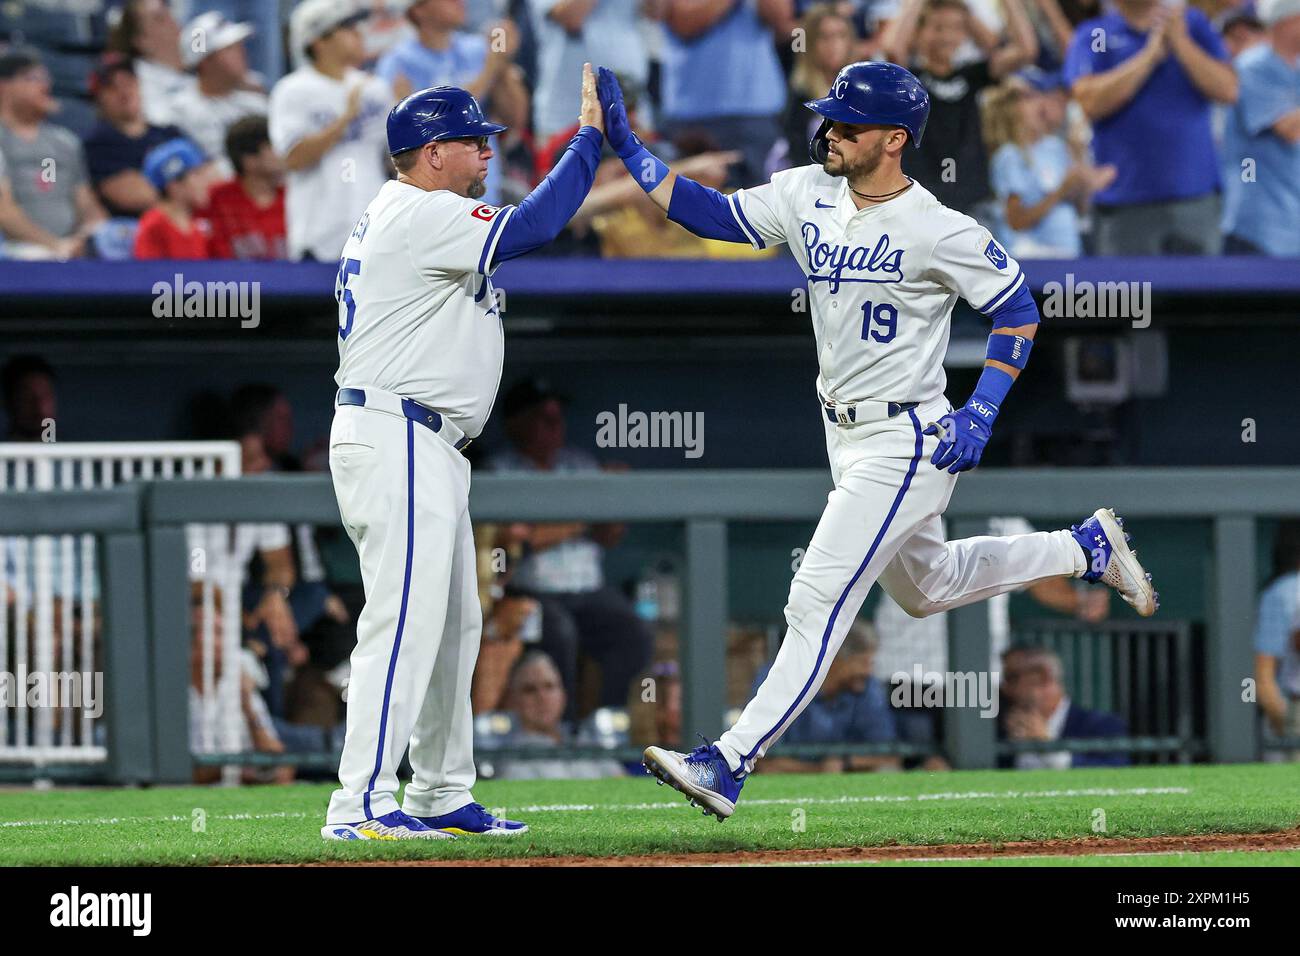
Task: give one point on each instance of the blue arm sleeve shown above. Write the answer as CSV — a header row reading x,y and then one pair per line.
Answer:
x,y
1019,309
704,211
548,208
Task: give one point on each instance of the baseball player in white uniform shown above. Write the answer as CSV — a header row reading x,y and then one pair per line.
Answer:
x,y
420,353
885,263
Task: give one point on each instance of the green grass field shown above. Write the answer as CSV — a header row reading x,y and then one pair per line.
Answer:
x,y
632,816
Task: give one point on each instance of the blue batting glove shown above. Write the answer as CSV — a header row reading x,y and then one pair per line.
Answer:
x,y
618,131
962,437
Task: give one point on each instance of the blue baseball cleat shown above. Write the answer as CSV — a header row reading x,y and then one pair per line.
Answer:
x,y
473,819
1112,562
391,826
702,775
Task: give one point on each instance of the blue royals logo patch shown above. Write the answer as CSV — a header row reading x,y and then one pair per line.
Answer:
x,y
828,263
995,254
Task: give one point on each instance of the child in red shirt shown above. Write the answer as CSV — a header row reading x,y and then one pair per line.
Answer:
x,y
247,213
172,229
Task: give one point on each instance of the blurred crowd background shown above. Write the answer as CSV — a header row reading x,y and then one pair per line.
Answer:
x,y
244,130
255,130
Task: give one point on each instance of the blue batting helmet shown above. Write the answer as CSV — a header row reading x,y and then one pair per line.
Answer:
x,y
871,94
170,161
440,112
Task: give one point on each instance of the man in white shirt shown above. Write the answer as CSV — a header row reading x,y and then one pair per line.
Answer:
x,y
213,47
327,121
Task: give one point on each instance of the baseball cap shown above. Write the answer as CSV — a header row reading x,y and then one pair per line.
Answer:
x,y
18,60
108,65
313,19
526,394
170,161
206,34
1040,80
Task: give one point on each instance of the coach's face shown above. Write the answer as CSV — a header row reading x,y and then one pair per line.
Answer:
x,y
464,164
856,151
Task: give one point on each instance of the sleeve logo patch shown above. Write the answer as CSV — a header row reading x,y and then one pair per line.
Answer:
x,y
485,212
993,252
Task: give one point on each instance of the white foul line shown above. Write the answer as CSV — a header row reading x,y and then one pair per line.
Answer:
x,y
668,805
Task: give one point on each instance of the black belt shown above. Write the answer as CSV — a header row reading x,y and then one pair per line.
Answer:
x,y
413,410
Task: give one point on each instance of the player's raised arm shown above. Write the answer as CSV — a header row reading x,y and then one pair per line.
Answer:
x,y
701,210
547,209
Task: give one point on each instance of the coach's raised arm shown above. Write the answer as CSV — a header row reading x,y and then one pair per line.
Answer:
x,y
545,211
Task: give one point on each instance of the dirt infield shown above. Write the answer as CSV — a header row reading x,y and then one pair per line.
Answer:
x,y
1082,846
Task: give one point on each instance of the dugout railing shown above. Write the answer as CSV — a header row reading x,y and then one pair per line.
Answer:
x,y
141,530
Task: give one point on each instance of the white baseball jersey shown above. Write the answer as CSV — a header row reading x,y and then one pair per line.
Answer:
x,y
882,281
417,313
323,201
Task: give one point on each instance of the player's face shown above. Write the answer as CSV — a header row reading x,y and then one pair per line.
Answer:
x,y
855,151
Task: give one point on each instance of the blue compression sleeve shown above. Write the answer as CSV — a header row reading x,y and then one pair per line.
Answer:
x,y
547,209
1019,309
704,211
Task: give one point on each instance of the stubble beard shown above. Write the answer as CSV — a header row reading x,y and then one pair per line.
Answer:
x,y
477,188
865,167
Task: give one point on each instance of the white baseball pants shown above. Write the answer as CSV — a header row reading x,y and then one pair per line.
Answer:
x,y
403,493
881,523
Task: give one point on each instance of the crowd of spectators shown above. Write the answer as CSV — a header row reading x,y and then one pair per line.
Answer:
x,y
1068,127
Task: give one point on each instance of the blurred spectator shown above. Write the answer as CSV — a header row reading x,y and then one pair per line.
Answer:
x,y
30,398
572,32
1054,23
563,563
1037,708
213,48
1241,31
263,410
828,47
1148,90
173,229
147,33
46,202
537,705
247,213
1277,638
328,121
628,222
443,54
263,424
721,77
852,707
1262,142
1042,190
951,161
116,147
